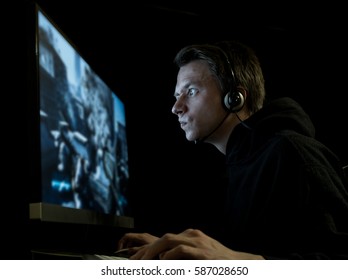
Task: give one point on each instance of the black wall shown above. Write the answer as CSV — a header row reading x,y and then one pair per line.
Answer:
x,y
303,52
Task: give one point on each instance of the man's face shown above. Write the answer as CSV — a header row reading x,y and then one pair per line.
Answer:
x,y
198,102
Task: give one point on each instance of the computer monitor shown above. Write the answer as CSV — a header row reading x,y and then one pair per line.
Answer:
x,y
78,137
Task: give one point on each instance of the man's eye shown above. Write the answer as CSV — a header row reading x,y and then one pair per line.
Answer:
x,y
192,91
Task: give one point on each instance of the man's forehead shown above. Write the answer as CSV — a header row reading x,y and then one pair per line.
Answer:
x,y
194,71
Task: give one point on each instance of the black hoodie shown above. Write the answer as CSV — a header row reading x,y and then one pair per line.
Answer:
x,y
286,198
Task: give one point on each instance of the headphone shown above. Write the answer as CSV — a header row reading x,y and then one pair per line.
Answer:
x,y
233,100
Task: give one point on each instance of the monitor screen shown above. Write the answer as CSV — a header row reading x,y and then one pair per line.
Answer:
x,y
83,162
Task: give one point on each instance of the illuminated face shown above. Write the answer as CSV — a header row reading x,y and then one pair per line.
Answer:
x,y
198,102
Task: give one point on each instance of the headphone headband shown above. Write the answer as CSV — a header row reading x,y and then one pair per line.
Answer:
x,y
233,99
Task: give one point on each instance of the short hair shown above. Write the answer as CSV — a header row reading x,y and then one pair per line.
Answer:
x,y
234,64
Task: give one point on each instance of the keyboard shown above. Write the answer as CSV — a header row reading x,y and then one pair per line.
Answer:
x,y
103,257
118,255
58,255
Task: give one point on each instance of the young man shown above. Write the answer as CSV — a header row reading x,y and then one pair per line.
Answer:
x,y
286,197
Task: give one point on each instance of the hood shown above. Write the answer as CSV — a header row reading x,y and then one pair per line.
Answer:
x,y
275,118
282,114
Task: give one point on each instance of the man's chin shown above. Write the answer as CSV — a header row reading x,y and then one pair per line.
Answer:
x,y
189,137
192,138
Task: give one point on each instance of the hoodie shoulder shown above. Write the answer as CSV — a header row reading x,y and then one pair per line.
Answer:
x,y
283,114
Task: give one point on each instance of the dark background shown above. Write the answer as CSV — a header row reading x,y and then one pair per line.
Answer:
x,y
132,45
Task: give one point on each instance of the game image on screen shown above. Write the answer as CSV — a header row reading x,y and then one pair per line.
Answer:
x,y
84,159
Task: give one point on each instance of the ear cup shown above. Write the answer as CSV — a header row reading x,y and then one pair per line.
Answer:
x,y
234,101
